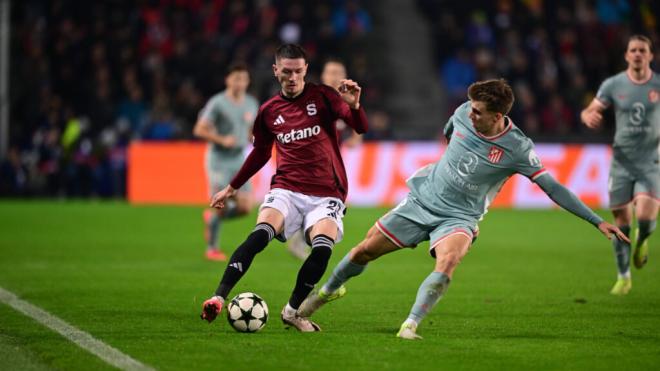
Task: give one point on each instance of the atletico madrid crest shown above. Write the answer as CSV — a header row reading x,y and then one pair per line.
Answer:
x,y
495,154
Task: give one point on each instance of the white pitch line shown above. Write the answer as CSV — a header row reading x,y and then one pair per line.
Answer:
x,y
84,340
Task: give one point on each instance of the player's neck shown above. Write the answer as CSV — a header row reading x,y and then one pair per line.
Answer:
x,y
235,96
496,129
292,96
639,75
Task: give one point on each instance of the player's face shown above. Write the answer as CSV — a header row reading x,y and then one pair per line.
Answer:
x,y
238,81
638,54
332,74
291,75
482,119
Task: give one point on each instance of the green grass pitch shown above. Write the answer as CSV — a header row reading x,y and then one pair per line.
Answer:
x,y
532,294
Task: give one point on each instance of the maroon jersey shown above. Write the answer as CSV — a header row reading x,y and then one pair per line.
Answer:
x,y
306,142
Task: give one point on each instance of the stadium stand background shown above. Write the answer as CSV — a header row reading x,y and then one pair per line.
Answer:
x,y
87,78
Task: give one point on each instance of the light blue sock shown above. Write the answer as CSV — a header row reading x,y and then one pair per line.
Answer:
x,y
428,295
622,253
342,272
215,225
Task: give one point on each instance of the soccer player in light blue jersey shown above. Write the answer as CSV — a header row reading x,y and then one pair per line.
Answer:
x,y
634,173
225,123
448,198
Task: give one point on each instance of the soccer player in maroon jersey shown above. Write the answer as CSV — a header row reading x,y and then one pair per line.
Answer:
x,y
309,187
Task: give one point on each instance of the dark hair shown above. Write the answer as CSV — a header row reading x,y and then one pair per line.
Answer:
x,y
237,67
641,38
496,94
290,51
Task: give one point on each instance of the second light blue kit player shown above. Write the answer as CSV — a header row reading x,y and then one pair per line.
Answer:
x,y
634,184
225,123
448,198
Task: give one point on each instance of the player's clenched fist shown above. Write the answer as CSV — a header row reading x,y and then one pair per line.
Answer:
x,y
350,93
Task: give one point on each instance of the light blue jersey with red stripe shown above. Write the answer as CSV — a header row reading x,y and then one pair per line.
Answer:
x,y
473,168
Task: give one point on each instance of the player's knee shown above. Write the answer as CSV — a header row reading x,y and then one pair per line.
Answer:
x,y
622,216
449,259
242,210
646,226
243,206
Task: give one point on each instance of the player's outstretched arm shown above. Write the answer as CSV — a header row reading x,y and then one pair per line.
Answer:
x,y
592,116
569,201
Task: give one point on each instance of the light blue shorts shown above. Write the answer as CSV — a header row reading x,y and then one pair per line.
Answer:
x,y
409,223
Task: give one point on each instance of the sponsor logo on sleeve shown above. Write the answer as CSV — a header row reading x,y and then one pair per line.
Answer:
x,y
534,159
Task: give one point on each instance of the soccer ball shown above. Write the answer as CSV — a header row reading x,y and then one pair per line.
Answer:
x,y
247,312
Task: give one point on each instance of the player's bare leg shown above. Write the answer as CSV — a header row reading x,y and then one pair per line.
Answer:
x,y
212,225
323,235
269,223
646,210
622,219
374,245
297,246
449,252
239,205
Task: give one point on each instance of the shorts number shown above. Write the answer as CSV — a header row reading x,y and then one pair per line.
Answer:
x,y
333,206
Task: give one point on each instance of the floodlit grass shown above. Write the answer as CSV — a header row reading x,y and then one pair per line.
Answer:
x,y
532,294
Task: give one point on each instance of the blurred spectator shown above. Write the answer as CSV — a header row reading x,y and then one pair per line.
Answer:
x,y
554,53
379,127
89,77
13,175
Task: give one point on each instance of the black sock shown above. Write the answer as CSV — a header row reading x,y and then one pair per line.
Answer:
x,y
242,258
312,269
646,227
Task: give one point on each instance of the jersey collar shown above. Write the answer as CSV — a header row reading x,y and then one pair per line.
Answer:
x,y
507,128
639,82
297,96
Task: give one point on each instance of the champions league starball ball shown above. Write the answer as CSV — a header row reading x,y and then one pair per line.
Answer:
x,y
247,312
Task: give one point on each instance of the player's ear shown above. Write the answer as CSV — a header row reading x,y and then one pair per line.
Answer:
x,y
275,70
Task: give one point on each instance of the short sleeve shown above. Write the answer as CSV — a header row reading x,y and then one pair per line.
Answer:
x,y
528,162
605,90
210,112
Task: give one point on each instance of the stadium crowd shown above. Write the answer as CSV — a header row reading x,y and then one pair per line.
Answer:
x,y
554,53
87,78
